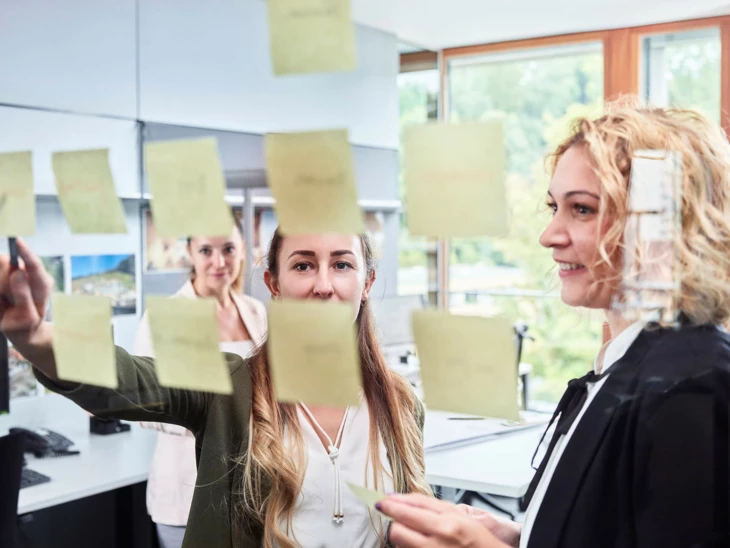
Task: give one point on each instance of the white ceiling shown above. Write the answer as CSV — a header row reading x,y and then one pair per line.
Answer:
x,y
438,24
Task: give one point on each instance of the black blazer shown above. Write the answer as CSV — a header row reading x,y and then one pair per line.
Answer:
x,y
647,466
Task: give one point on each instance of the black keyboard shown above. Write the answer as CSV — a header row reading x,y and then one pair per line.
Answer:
x,y
29,478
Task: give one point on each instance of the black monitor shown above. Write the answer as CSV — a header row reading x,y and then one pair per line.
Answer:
x,y
4,376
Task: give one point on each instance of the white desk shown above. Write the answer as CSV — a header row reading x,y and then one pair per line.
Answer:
x,y
105,463
498,466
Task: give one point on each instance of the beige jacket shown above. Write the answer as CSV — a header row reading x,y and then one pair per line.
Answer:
x,y
173,472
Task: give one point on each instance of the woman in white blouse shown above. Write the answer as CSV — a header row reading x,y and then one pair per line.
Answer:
x,y
217,273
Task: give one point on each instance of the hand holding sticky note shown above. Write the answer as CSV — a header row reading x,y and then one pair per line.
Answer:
x,y
311,36
468,363
313,353
17,200
455,179
86,192
312,179
82,339
185,341
188,189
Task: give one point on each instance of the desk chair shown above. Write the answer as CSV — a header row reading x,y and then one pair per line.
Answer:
x,y
11,465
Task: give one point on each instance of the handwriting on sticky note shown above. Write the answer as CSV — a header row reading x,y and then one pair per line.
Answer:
x,y
313,353
188,188
468,363
312,179
185,340
17,199
86,192
455,179
82,339
367,496
309,36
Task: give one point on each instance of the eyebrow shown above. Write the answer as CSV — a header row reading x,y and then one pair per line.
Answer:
x,y
307,253
576,193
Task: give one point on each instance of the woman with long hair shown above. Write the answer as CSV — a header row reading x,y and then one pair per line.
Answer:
x,y
265,469
216,273
639,456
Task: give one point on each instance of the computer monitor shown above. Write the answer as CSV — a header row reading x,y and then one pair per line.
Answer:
x,y
4,376
393,316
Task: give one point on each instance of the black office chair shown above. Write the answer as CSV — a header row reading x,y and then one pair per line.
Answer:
x,y
11,466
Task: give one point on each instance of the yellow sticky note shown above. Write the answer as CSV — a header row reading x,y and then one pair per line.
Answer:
x,y
312,179
188,188
367,496
185,341
468,363
86,192
17,200
313,353
455,179
82,339
311,36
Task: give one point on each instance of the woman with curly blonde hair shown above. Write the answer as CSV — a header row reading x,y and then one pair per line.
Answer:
x,y
270,474
639,456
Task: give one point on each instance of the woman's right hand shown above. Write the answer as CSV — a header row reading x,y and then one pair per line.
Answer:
x,y
24,294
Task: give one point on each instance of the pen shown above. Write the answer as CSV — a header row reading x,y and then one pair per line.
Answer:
x,y
13,245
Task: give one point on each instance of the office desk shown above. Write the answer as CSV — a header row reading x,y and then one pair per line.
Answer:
x,y
498,466
99,492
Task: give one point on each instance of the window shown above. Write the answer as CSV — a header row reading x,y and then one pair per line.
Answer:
x,y
537,93
683,70
418,98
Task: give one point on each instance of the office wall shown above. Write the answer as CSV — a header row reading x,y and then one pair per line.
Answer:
x,y
207,64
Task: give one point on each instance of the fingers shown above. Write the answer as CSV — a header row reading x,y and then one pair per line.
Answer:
x,y
403,537
20,290
39,281
32,263
420,520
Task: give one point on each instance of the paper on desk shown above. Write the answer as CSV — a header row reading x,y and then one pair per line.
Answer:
x,y
185,341
367,496
17,199
313,353
86,192
312,179
188,188
455,179
311,36
468,363
82,339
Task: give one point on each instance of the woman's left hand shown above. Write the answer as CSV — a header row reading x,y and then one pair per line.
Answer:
x,y
424,522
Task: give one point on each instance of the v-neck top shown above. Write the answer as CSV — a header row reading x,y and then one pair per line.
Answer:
x,y
313,525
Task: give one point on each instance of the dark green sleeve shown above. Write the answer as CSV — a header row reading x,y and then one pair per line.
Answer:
x,y
139,396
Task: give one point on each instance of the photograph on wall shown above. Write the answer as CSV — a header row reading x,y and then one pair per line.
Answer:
x,y
55,267
168,254
22,381
108,275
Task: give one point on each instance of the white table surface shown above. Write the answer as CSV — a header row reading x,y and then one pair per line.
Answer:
x,y
498,466
105,463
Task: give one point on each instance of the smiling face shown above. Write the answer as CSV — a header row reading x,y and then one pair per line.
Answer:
x,y
216,262
572,234
323,266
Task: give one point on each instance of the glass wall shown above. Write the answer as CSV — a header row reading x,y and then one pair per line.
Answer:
x,y
537,93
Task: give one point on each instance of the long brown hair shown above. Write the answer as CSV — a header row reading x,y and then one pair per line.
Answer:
x,y
273,474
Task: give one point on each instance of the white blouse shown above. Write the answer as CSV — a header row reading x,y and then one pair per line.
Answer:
x,y
314,525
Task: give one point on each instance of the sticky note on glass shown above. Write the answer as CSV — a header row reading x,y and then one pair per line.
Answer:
x,y
311,36
82,339
17,200
86,192
367,496
313,353
312,179
468,363
455,179
188,188
185,341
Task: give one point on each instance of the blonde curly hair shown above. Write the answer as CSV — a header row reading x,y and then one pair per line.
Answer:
x,y
703,247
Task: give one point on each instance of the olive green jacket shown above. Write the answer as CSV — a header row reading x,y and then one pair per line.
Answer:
x,y
220,424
